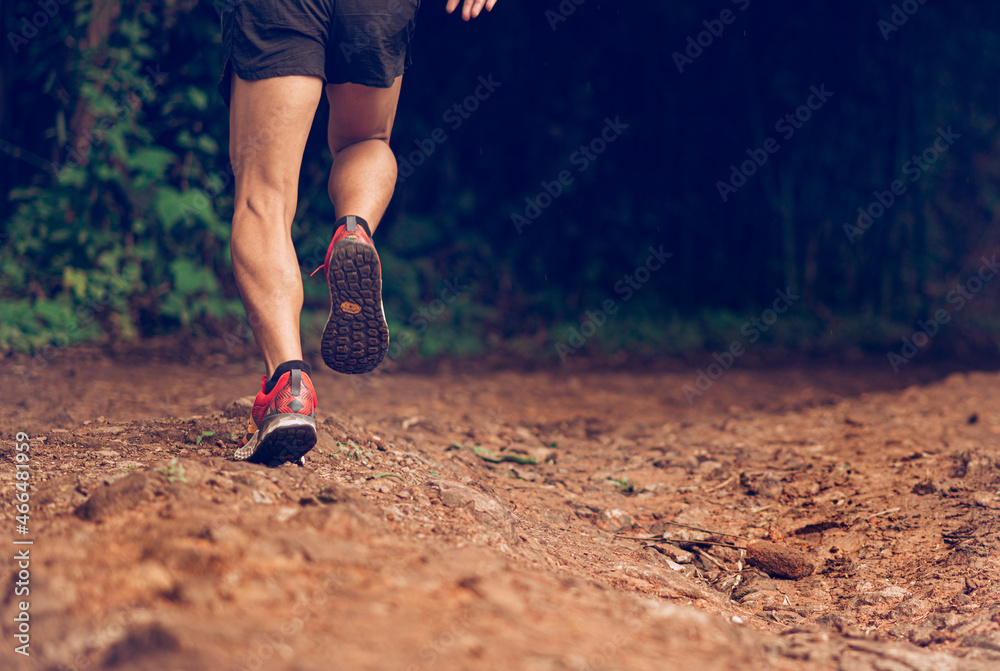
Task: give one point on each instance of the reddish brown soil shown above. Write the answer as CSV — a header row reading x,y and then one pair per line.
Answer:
x,y
401,545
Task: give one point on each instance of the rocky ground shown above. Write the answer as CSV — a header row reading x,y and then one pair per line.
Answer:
x,y
500,519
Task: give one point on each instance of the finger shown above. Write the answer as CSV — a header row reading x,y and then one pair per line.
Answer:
x,y
489,5
473,7
450,7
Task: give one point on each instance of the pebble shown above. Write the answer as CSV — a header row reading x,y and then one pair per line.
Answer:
x,y
779,561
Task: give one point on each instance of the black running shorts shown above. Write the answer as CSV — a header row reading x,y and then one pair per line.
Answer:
x,y
357,41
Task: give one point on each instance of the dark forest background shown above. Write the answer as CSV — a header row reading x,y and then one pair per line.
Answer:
x,y
114,150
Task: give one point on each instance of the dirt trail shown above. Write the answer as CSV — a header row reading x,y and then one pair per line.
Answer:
x,y
507,520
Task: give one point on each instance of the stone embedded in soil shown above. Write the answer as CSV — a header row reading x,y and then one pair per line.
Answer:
x,y
486,509
617,520
873,597
762,484
779,561
149,642
677,554
116,497
752,583
240,408
544,454
985,499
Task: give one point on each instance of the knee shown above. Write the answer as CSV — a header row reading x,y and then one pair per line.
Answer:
x,y
263,207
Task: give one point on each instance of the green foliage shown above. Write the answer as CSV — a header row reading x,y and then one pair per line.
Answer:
x,y
118,234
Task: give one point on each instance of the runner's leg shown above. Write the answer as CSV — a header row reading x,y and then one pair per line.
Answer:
x,y
269,122
364,168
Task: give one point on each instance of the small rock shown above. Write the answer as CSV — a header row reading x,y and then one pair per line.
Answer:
x,y
985,499
113,429
544,454
116,497
711,468
851,542
779,561
922,636
753,583
525,434
762,484
147,642
524,474
487,510
677,554
874,597
802,489
617,520
832,496
240,408
910,608
675,460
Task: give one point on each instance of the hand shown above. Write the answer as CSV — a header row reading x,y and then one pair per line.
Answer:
x,y
471,8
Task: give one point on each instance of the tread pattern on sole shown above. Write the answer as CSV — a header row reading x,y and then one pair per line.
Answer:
x,y
355,341
292,438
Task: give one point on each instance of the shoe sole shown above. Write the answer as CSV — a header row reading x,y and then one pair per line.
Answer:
x,y
356,336
280,439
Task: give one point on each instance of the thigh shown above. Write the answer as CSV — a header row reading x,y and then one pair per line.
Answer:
x,y
359,113
269,122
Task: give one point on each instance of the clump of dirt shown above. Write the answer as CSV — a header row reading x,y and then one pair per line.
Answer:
x,y
547,520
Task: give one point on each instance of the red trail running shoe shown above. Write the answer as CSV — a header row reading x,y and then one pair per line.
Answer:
x,y
356,336
282,422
